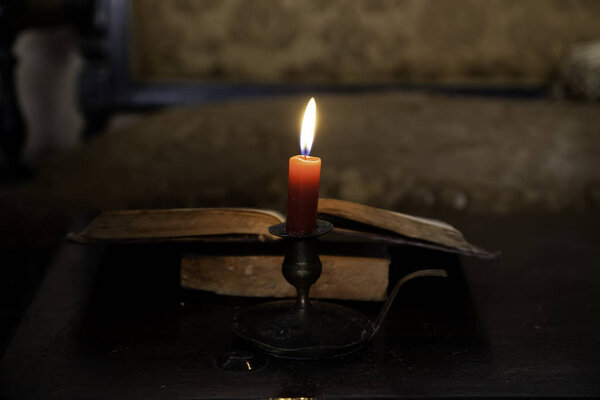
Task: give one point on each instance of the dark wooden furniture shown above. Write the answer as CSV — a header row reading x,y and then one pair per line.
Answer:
x,y
110,323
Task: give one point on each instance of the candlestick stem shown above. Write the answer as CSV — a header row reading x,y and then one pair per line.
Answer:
x,y
302,267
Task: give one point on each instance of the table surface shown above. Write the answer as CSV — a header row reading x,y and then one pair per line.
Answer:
x,y
112,322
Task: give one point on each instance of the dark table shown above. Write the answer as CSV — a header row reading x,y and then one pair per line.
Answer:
x,y
112,322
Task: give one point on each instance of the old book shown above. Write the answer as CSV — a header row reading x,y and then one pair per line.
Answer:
x,y
351,220
350,270
346,278
391,227
178,224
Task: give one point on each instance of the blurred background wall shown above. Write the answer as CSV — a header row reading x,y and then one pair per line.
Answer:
x,y
465,42
516,43
356,41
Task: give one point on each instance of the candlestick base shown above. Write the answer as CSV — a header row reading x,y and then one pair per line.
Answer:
x,y
318,331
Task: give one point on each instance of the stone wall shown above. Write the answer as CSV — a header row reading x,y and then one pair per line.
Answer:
x,y
358,41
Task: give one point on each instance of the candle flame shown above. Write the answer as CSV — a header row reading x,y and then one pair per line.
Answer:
x,y
308,127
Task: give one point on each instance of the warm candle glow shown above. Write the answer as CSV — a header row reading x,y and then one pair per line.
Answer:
x,y
308,127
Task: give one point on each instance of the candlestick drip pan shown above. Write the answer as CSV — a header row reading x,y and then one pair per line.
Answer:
x,y
317,331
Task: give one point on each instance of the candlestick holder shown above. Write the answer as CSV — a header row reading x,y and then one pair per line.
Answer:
x,y
303,328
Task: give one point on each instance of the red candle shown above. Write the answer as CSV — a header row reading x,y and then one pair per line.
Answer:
x,y
303,183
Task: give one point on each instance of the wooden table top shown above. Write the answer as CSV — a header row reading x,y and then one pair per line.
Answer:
x,y
112,322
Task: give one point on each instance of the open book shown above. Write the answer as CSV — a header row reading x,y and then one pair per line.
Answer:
x,y
352,222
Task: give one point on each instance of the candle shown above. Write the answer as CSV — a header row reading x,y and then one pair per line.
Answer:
x,y
303,182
